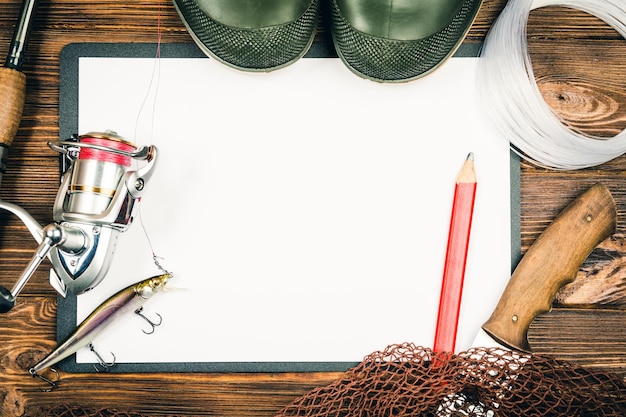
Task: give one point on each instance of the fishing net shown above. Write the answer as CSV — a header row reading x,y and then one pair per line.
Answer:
x,y
65,410
408,380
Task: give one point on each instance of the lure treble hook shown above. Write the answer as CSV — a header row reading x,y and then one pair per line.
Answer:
x,y
53,384
105,365
139,312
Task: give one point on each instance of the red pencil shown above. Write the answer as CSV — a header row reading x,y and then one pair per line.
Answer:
x,y
456,256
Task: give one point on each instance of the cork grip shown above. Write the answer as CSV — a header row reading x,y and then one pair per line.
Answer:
x,y
12,90
552,261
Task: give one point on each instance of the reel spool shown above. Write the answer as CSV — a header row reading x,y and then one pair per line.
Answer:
x,y
96,174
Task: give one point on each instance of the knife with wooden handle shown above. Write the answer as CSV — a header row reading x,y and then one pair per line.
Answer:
x,y
552,261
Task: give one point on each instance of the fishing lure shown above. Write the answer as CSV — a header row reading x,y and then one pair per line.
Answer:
x,y
129,299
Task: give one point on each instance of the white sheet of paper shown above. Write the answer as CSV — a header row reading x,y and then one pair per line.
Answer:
x,y
304,212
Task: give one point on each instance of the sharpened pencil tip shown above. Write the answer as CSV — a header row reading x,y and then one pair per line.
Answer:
x,y
467,174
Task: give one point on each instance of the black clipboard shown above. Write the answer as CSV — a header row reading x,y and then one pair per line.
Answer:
x,y
68,116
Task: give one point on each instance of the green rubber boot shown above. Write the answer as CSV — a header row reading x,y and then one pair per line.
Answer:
x,y
399,40
251,35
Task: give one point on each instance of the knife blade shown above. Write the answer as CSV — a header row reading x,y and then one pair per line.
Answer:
x,y
552,261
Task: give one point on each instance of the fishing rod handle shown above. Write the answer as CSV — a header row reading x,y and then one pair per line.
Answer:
x,y
12,80
12,92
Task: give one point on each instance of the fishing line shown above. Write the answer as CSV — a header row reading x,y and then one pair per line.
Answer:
x,y
509,94
155,79
156,75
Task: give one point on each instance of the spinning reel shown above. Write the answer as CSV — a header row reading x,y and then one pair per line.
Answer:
x,y
98,195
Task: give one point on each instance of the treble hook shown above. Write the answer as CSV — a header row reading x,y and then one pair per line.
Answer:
x,y
53,384
101,361
151,323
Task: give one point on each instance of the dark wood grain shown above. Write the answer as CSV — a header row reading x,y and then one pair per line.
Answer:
x,y
591,338
578,62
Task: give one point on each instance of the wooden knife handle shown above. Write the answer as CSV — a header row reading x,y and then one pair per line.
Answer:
x,y
553,260
12,91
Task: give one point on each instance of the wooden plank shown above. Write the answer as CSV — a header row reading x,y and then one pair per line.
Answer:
x,y
26,336
578,61
590,338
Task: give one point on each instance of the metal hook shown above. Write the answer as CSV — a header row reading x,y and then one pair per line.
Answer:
x,y
151,323
101,361
53,384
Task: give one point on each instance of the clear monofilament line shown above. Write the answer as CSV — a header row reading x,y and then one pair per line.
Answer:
x,y
152,90
510,96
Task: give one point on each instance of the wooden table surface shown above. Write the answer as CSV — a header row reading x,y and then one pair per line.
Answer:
x,y
579,64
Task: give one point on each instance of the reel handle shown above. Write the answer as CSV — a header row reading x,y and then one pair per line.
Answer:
x,y
7,300
54,235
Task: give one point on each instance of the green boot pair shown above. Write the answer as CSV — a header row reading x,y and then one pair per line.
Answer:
x,y
381,40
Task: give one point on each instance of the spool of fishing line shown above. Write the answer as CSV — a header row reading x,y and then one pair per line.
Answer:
x,y
97,173
509,94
